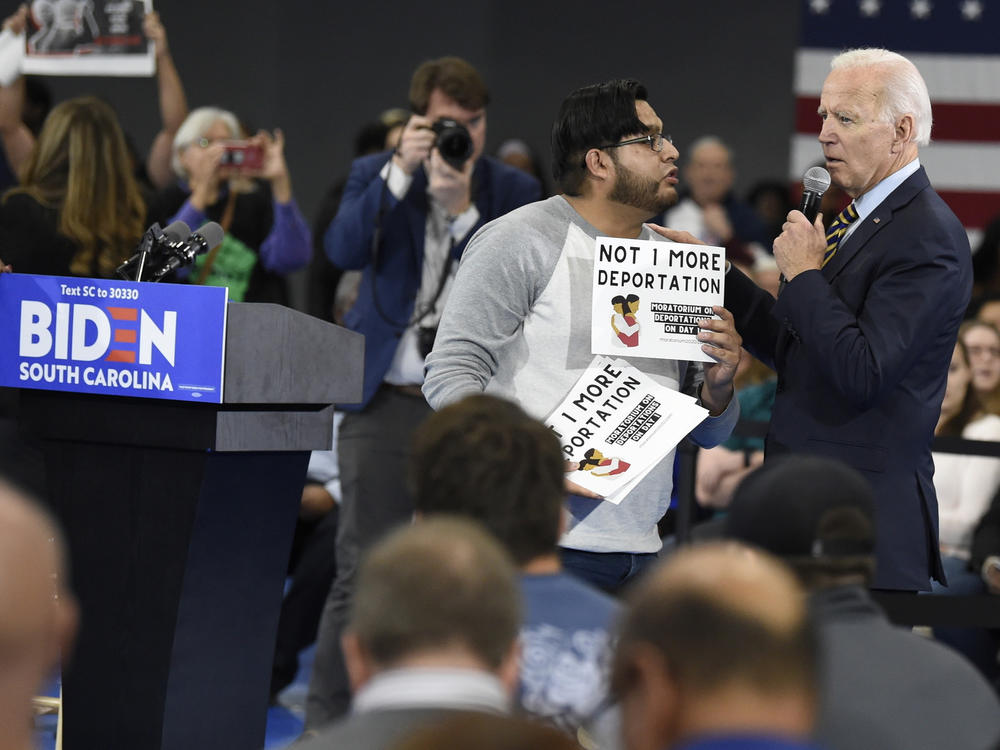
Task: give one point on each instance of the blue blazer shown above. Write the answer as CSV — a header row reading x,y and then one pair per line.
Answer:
x,y
862,350
497,189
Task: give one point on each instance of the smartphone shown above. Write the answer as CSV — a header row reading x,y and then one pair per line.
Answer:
x,y
242,155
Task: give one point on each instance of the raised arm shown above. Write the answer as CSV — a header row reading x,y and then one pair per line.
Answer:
x,y
173,103
18,141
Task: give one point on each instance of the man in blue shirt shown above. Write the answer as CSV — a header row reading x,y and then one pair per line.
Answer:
x,y
483,457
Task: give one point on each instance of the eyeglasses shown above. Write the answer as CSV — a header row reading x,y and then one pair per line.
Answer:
x,y
655,141
979,351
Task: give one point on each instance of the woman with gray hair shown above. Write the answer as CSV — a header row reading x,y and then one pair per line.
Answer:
x,y
243,184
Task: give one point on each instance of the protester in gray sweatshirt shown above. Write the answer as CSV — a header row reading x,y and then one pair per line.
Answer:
x,y
518,321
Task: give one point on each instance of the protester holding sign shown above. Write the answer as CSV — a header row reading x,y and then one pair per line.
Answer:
x,y
519,320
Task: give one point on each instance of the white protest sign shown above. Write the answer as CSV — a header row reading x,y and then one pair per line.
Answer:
x,y
650,295
84,38
617,424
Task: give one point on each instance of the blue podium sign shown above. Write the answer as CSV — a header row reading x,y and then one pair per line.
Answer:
x,y
117,338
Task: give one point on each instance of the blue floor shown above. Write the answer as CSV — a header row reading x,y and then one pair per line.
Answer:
x,y
284,721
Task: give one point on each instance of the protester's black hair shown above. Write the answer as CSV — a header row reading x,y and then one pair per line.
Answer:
x,y
591,117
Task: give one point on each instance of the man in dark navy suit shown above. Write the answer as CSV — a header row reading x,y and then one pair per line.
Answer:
x,y
862,335
405,219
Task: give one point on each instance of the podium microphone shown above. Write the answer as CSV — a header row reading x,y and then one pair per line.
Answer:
x,y
183,252
815,182
150,245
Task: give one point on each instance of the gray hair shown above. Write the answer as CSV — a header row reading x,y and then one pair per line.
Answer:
x,y
195,125
441,582
711,140
903,88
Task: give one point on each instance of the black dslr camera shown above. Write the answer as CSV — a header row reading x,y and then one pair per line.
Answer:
x,y
453,142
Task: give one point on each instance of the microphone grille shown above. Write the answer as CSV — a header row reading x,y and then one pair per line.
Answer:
x,y
213,234
177,231
816,180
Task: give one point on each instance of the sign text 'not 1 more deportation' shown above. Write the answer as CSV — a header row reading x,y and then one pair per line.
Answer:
x,y
650,295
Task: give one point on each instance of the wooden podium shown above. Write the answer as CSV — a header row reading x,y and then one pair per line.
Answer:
x,y
179,518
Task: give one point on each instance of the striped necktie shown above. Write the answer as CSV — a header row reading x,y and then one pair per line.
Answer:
x,y
837,230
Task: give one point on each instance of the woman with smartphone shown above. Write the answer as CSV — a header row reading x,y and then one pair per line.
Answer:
x,y
243,184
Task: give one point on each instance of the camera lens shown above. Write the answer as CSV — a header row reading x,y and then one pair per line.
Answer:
x,y
453,142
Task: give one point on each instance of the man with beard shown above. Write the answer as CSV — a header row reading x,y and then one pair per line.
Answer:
x,y
518,324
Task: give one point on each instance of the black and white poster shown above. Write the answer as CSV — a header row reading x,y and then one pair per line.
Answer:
x,y
88,37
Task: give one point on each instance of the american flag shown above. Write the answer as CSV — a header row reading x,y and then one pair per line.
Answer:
x,y
955,45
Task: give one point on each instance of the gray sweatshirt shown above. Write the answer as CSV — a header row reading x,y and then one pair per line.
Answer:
x,y
517,325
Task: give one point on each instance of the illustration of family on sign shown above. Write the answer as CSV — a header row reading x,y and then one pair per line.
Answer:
x,y
600,466
624,322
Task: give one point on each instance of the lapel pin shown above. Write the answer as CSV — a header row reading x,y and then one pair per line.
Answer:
x,y
876,220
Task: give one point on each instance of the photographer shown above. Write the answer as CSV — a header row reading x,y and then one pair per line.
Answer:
x,y
404,219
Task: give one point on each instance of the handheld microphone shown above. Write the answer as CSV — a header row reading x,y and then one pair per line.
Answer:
x,y
183,252
815,182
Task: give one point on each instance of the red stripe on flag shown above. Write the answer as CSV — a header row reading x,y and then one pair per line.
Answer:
x,y
966,122
974,209
124,313
807,121
123,336
118,355
952,122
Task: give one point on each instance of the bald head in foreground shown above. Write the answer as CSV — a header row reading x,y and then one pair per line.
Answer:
x,y
432,634
717,647
37,615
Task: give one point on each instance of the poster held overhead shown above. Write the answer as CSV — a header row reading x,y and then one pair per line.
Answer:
x,y
84,38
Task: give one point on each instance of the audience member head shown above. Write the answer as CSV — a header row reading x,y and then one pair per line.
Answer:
x,y
482,731
484,457
382,133
986,266
960,404
981,344
440,593
771,201
370,139
39,613
709,174
589,118
394,119
450,87
520,155
717,640
202,124
986,308
81,167
814,513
